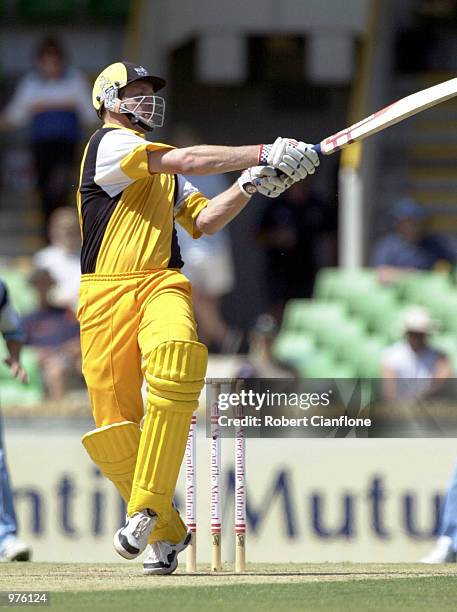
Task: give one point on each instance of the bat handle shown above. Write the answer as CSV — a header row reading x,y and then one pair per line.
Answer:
x,y
317,148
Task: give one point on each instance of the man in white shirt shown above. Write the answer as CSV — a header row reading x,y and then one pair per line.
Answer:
x,y
53,102
411,368
62,258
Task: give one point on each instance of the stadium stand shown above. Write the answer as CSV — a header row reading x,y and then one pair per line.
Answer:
x,y
344,329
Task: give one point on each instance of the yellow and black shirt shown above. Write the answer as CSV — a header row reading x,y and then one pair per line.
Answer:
x,y
126,214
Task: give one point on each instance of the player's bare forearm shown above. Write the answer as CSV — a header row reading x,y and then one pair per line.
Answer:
x,y
12,361
203,159
221,210
389,384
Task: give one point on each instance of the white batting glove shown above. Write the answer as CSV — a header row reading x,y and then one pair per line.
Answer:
x,y
264,180
294,158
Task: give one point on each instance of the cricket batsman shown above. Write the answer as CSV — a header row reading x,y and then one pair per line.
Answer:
x,y
135,306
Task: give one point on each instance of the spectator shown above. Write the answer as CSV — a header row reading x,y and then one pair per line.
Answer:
x,y
261,362
54,332
52,101
62,257
407,247
446,545
292,231
208,264
11,548
411,369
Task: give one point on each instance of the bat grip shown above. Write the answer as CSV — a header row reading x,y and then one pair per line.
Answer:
x,y
317,148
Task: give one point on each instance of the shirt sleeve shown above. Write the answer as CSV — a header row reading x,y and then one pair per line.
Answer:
x,y
382,254
392,357
122,159
17,111
189,202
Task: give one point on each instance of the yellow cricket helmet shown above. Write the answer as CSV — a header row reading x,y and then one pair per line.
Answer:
x,y
148,111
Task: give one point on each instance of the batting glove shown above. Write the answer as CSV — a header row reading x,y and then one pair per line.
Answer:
x,y
264,180
295,159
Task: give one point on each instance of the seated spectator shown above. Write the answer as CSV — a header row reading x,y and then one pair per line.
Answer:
x,y
261,362
407,247
54,332
62,257
412,369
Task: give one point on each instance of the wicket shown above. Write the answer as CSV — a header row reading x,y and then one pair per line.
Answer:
x,y
214,389
191,494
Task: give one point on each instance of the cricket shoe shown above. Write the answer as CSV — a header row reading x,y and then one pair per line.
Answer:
x,y
442,553
162,556
132,538
15,550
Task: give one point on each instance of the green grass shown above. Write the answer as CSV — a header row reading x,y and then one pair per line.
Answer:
x,y
317,587
434,594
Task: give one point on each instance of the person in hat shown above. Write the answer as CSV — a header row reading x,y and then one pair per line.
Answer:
x,y
135,309
407,247
411,368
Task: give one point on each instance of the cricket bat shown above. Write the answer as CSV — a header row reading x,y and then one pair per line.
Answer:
x,y
390,115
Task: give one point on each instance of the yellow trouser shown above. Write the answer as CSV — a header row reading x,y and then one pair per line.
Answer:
x,y
125,318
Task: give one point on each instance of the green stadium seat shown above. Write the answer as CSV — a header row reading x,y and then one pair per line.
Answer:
x,y
291,317
361,354
376,308
334,332
423,287
349,338
325,287
309,316
350,335
322,365
292,348
389,326
340,283
446,311
22,295
369,360
319,315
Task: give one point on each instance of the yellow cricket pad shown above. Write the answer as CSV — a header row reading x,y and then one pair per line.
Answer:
x,y
114,449
175,374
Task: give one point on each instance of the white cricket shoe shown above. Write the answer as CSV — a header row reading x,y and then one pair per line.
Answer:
x,y
442,553
15,550
162,556
132,539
